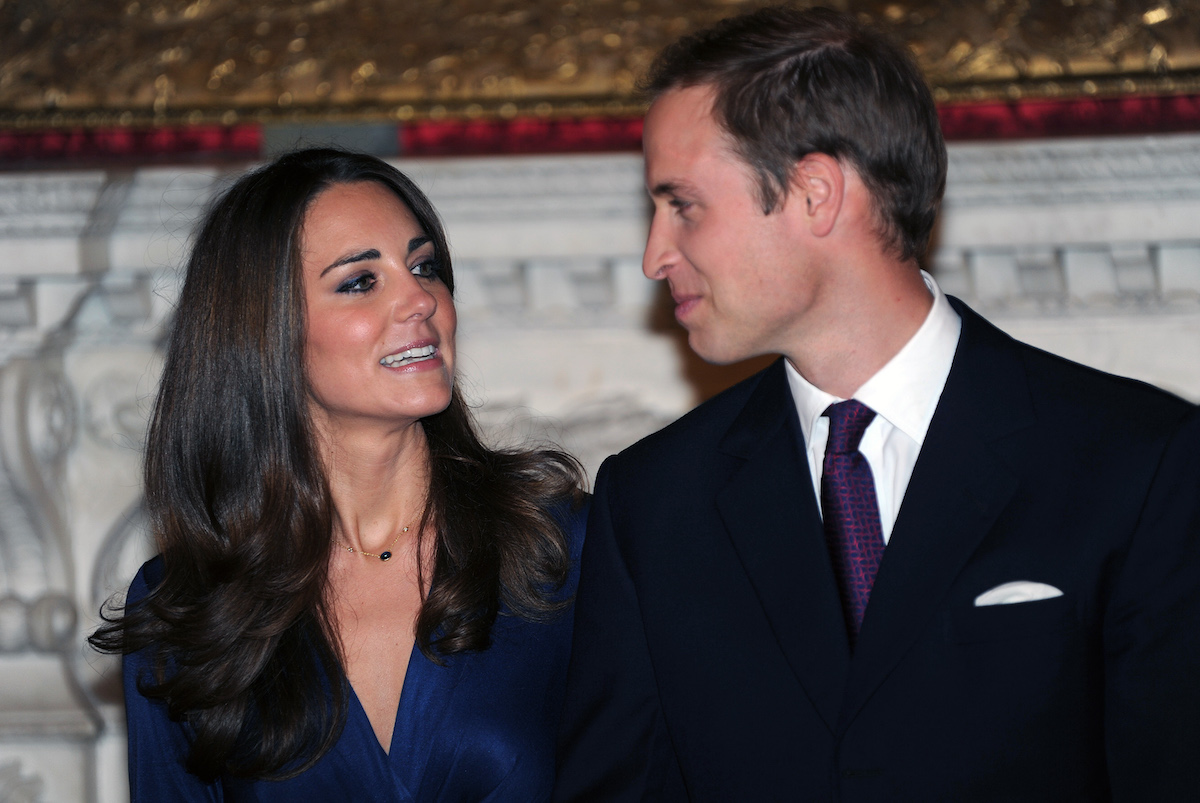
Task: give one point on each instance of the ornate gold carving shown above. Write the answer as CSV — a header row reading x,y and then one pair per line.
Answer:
x,y
97,63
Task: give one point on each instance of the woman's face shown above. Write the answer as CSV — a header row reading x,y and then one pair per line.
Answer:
x,y
380,324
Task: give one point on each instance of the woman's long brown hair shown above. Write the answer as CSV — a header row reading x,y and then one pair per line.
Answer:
x,y
242,637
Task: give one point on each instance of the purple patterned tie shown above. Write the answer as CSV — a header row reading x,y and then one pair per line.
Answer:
x,y
852,527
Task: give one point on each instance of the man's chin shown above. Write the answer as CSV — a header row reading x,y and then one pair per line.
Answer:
x,y
716,353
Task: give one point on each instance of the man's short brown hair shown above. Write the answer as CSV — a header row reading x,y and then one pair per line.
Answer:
x,y
790,82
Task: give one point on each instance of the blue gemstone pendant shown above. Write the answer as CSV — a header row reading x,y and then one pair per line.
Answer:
x,y
385,556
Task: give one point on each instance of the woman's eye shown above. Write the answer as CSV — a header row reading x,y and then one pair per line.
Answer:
x,y
427,269
358,284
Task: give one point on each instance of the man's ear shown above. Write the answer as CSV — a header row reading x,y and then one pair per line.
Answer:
x,y
819,188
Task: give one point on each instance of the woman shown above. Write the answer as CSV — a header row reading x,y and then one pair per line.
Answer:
x,y
355,599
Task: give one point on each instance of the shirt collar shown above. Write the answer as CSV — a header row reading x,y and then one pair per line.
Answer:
x,y
906,390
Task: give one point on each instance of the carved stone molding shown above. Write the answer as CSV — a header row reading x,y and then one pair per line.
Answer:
x,y
1070,226
1165,168
16,787
79,259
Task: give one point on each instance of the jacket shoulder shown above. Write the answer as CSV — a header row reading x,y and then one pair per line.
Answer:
x,y
1098,401
1083,398
696,434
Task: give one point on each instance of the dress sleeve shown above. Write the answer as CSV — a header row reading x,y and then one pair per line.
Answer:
x,y
158,745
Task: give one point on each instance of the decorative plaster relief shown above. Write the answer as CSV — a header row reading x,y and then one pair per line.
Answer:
x,y
1074,226
114,413
547,207
1073,192
37,409
48,204
16,787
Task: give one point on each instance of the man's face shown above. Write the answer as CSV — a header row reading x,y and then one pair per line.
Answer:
x,y
740,279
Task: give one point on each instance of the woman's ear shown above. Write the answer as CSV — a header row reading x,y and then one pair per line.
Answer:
x,y
819,185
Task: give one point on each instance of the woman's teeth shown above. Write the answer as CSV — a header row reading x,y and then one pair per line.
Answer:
x,y
408,357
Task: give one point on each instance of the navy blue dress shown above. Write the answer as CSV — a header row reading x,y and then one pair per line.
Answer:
x,y
481,727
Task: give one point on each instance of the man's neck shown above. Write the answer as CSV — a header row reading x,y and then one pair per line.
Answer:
x,y
862,335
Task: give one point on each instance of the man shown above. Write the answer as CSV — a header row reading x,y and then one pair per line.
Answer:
x,y
913,559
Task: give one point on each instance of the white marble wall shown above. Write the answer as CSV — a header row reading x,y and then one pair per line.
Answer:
x,y
1088,248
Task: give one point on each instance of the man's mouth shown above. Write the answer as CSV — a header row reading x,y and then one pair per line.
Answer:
x,y
685,304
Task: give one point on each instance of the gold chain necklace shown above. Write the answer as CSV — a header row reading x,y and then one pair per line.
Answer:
x,y
384,556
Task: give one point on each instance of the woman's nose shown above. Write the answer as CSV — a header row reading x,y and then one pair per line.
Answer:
x,y
415,300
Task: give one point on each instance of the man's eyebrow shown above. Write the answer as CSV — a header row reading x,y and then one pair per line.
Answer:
x,y
360,256
666,188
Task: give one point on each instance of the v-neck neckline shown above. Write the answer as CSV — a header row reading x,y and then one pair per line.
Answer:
x,y
404,693
424,698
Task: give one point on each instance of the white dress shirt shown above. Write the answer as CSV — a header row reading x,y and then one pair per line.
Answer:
x,y
904,394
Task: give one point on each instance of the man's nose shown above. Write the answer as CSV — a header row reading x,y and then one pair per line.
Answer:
x,y
660,254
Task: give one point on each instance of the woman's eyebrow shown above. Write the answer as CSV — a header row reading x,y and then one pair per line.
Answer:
x,y
361,256
372,253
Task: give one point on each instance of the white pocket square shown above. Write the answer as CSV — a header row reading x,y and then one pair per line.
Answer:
x,y
1017,591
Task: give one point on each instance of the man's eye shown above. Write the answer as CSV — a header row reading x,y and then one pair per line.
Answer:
x,y
680,205
358,284
428,269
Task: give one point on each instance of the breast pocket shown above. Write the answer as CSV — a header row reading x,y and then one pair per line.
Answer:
x,y
1014,620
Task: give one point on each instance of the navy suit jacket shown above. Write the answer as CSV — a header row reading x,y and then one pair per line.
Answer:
x,y
711,661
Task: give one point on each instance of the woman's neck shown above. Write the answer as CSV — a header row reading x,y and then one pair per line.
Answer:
x,y
378,483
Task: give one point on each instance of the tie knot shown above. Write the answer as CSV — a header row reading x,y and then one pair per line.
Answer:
x,y
848,421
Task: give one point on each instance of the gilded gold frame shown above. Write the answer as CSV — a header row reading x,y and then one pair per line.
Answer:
x,y
79,63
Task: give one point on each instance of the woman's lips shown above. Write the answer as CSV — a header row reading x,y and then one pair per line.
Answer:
x,y
409,356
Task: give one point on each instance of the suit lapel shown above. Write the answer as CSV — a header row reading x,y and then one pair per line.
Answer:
x,y
958,489
771,515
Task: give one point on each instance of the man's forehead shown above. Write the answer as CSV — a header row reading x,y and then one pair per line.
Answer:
x,y
680,152
679,112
